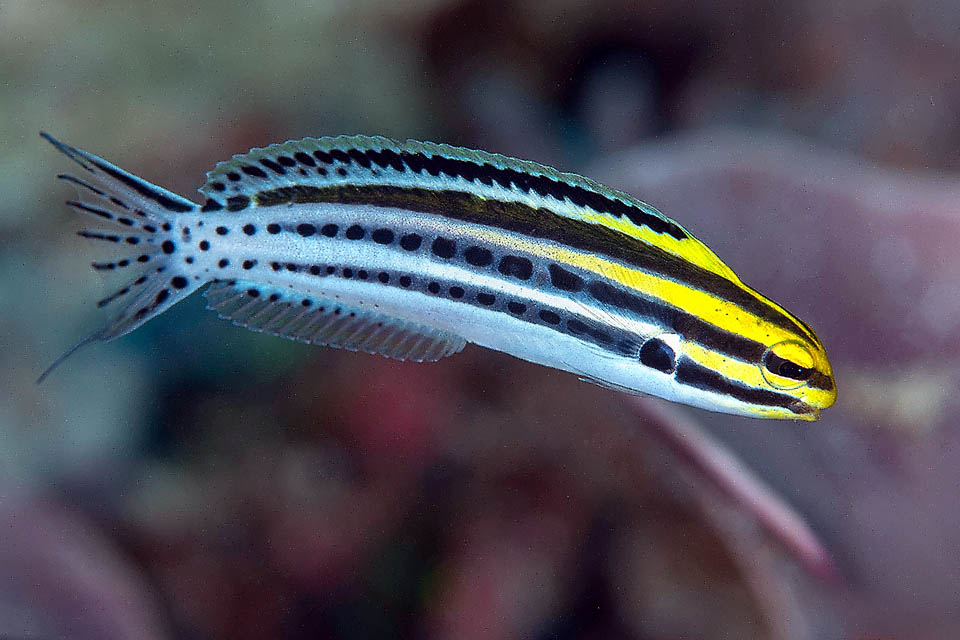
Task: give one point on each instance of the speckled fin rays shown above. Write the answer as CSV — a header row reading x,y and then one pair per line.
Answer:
x,y
331,324
138,217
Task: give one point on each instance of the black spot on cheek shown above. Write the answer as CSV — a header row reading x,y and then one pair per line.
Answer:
x,y
168,247
657,354
204,245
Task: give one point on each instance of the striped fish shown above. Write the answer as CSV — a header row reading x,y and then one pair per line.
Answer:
x,y
413,249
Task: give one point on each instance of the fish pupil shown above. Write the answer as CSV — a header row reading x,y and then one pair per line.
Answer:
x,y
786,368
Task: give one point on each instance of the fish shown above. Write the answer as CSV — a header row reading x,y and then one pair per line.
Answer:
x,y
413,249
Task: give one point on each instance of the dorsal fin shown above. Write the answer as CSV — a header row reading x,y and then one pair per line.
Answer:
x,y
365,160
329,323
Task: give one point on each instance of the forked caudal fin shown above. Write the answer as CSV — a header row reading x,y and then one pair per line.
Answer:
x,y
139,217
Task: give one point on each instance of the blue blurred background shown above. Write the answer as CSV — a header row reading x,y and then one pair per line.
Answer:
x,y
196,480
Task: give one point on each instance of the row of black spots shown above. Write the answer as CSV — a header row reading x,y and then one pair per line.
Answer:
x,y
384,158
122,292
110,266
253,292
488,174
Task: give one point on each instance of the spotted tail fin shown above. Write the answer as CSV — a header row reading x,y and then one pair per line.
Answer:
x,y
141,218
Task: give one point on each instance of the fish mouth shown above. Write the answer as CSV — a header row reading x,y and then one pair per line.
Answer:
x,y
803,411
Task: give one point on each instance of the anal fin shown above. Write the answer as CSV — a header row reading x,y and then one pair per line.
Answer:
x,y
329,323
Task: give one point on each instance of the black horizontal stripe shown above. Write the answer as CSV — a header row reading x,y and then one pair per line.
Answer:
x,y
487,174
818,380
557,319
695,375
685,324
539,223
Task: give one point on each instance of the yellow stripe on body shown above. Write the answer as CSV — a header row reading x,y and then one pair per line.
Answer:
x,y
694,301
690,249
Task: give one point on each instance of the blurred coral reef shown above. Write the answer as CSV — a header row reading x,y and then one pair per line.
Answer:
x,y
195,480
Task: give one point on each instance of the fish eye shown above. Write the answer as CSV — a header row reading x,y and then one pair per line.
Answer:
x,y
787,365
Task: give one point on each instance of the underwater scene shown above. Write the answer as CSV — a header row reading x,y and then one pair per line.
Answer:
x,y
570,320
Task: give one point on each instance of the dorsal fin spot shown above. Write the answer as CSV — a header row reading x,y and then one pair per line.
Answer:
x,y
286,161
251,170
304,158
359,157
273,166
340,155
